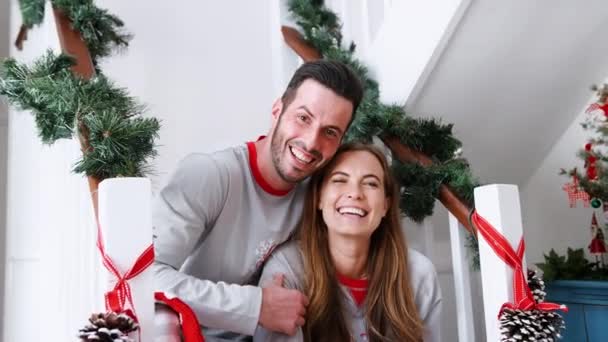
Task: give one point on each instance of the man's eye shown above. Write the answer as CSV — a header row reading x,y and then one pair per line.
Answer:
x,y
302,118
331,133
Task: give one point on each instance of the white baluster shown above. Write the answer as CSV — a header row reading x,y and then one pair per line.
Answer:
x,y
462,281
499,205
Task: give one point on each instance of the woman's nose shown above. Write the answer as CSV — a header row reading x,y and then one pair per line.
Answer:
x,y
354,192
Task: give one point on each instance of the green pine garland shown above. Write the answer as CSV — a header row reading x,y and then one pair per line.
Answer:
x,y
32,12
120,139
102,32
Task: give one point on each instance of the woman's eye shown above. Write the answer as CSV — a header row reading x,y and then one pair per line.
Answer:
x,y
372,184
339,180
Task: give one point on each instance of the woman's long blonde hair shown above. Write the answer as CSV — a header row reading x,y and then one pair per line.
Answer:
x,y
391,312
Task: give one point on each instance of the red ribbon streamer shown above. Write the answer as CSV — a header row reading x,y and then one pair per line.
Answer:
x,y
523,299
191,330
117,298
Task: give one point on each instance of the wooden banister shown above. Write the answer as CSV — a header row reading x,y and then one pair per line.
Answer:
x,y
72,44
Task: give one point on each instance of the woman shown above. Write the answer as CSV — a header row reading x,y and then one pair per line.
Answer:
x,y
350,258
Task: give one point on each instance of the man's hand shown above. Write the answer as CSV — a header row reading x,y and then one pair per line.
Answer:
x,y
283,310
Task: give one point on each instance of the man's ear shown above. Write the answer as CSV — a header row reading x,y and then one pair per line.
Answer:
x,y
277,109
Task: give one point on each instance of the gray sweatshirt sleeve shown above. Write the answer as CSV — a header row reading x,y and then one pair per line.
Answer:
x,y
285,260
427,294
184,211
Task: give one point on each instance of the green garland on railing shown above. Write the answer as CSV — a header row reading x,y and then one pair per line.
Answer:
x,y
32,12
101,31
119,139
322,29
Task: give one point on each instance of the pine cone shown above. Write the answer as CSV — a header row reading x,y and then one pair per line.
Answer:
x,y
532,325
110,327
536,285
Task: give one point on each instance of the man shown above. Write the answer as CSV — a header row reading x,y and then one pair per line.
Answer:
x,y
221,215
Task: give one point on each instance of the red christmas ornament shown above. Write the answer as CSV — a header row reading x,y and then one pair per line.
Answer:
x,y
575,193
590,163
598,106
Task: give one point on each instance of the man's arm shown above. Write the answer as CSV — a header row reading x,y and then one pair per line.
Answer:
x,y
183,213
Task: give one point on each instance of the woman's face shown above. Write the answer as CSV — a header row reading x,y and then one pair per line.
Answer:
x,y
352,198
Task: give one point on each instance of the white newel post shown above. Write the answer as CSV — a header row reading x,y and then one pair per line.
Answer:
x,y
126,224
499,205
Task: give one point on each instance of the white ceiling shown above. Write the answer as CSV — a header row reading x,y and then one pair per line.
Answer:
x,y
513,77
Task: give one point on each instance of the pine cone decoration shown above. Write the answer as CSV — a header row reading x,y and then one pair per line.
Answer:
x,y
532,325
536,285
108,327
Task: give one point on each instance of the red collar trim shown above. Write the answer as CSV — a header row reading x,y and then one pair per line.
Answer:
x,y
257,175
357,288
352,282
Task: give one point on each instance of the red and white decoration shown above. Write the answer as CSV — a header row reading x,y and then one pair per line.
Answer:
x,y
575,193
498,220
125,244
597,247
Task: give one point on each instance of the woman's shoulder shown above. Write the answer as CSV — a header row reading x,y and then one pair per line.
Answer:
x,y
286,259
289,251
421,268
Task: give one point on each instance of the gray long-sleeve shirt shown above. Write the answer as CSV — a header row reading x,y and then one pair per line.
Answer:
x,y
287,260
214,226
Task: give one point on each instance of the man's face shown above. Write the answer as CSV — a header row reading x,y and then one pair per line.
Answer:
x,y
308,132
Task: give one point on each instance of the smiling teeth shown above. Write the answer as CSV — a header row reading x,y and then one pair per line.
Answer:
x,y
352,210
300,156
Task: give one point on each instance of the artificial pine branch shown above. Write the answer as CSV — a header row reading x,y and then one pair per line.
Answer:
x,y
102,31
32,12
119,140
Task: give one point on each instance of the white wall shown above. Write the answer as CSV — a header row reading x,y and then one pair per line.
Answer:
x,y
204,67
4,52
549,222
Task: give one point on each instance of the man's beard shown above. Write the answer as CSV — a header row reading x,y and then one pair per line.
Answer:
x,y
276,144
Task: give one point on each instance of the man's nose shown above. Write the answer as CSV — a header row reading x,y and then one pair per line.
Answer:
x,y
313,141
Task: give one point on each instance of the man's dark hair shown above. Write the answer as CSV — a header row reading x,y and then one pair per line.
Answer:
x,y
334,75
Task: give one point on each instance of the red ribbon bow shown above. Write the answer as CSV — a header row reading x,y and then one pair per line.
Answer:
x,y
117,298
523,299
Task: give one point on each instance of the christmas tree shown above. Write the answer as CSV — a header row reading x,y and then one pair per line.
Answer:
x,y
594,178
